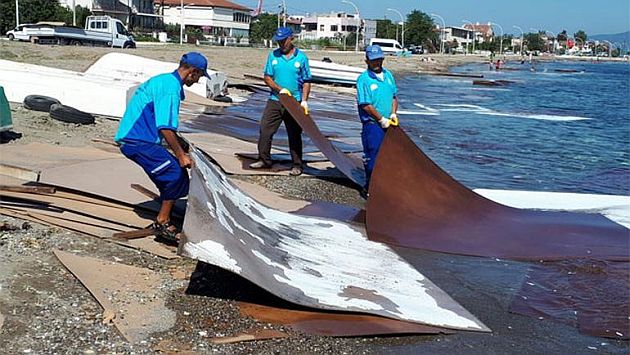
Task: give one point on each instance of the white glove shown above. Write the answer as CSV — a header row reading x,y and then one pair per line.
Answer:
x,y
384,122
393,116
285,91
304,105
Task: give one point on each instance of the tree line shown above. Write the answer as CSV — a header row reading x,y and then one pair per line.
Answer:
x,y
33,11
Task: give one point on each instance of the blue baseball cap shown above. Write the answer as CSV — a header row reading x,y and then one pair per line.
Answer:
x,y
374,52
196,60
282,33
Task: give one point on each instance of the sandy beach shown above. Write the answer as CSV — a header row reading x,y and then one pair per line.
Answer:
x,y
45,309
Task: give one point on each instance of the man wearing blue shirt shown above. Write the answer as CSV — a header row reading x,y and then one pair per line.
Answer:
x,y
377,104
152,115
286,72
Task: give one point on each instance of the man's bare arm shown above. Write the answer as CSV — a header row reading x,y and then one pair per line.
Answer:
x,y
180,154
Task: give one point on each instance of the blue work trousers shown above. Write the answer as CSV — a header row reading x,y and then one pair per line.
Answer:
x,y
371,136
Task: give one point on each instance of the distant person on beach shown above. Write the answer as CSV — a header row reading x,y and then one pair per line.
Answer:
x,y
286,72
377,104
151,116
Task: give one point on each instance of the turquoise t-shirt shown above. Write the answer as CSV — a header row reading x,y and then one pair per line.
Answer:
x,y
290,73
376,92
154,106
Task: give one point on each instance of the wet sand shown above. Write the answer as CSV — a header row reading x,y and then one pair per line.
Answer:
x,y
47,310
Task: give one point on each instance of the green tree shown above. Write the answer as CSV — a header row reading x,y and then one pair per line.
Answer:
x,y
64,14
385,29
33,11
562,36
419,29
581,35
534,42
263,27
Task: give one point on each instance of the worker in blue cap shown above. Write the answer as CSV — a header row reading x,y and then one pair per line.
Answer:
x,y
377,105
152,115
286,72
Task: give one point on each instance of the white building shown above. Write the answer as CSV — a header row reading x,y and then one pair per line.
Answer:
x,y
460,35
483,32
369,31
219,20
337,25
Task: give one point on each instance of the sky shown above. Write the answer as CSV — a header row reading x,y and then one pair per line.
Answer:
x,y
592,16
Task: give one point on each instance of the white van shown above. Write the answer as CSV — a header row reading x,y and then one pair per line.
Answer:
x,y
389,46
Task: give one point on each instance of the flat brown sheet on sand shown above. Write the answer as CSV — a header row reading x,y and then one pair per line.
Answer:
x,y
128,294
314,322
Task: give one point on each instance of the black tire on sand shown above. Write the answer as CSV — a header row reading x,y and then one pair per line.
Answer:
x,y
69,114
39,102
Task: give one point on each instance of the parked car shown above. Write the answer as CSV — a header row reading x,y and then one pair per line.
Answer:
x,y
416,49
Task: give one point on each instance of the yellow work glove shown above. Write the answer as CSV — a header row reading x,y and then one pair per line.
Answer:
x,y
393,118
285,91
304,105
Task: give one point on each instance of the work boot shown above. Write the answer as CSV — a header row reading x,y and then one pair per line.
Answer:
x,y
259,164
295,171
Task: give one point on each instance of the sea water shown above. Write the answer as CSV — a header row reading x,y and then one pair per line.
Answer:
x,y
546,130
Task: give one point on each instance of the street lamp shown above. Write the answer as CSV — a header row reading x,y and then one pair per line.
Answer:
x,y
501,38
473,34
181,25
522,38
402,20
356,46
443,28
17,13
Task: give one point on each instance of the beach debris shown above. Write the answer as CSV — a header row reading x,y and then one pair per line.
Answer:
x,y
129,295
491,82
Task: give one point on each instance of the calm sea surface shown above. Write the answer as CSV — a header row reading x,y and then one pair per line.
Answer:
x,y
546,131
